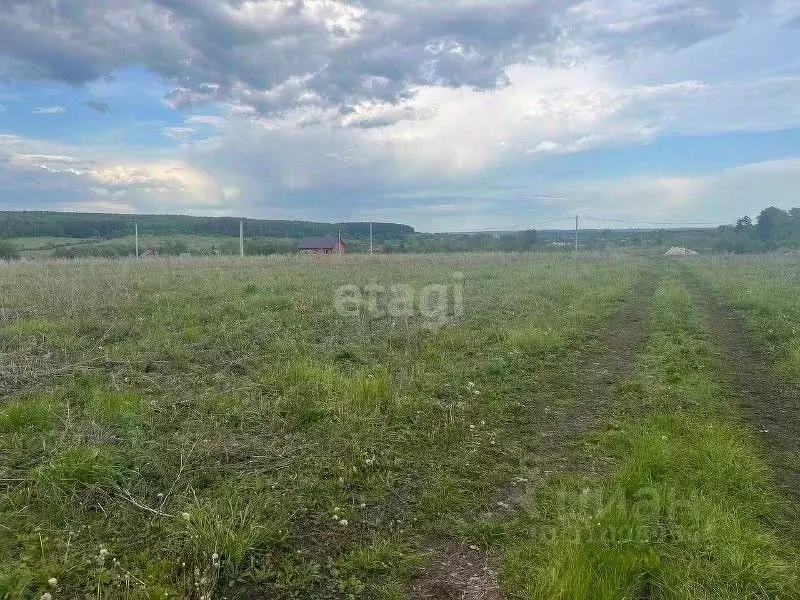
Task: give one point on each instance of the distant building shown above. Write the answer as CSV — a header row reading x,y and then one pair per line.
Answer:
x,y
320,245
677,251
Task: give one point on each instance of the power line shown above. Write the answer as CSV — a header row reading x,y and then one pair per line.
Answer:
x,y
518,228
594,219
655,223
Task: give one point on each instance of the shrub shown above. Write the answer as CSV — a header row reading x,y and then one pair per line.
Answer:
x,y
8,251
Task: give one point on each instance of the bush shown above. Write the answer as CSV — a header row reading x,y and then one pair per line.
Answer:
x,y
8,251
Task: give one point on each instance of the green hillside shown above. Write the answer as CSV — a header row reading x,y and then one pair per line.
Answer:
x,y
24,224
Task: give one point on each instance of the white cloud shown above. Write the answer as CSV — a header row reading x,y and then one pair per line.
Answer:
x,y
48,158
49,110
107,206
627,201
717,197
458,134
786,10
212,120
96,176
178,133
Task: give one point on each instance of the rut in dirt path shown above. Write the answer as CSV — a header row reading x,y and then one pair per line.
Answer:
x,y
771,407
466,573
599,371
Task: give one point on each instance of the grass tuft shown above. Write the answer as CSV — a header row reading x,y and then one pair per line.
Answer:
x,y
28,414
78,468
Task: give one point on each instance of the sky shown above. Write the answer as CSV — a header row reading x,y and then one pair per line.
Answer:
x,y
447,115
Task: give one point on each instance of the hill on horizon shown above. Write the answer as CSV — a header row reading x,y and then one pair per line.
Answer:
x,y
21,224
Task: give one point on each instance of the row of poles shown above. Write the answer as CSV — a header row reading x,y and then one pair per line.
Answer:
x,y
241,237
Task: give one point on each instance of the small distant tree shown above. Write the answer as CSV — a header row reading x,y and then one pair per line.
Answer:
x,y
774,225
745,224
527,239
8,251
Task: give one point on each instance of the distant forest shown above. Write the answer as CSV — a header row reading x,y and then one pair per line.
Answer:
x,y
97,225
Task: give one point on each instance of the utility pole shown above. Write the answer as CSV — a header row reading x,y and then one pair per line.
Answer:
x,y
136,235
241,238
339,245
576,233
370,237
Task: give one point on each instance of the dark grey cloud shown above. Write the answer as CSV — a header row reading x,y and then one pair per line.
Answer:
x,y
276,55
101,107
671,24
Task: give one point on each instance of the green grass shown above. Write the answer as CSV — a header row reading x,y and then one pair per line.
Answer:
x,y
216,427
27,414
44,247
75,468
43,242
688,510
763,290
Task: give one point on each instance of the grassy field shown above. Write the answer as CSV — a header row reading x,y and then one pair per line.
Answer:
x,y
219,424
45,247
25,244
235,429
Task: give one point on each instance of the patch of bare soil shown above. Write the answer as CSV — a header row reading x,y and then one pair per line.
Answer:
x,y
771,407
459,573
466,573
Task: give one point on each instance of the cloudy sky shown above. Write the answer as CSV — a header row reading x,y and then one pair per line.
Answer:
x,y
444,114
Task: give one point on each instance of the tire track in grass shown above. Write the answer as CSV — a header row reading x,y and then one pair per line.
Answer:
x,y
771,408
464,572
688,512
598,371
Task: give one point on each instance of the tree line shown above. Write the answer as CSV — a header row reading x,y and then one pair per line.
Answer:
x,y
772,229
17,224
